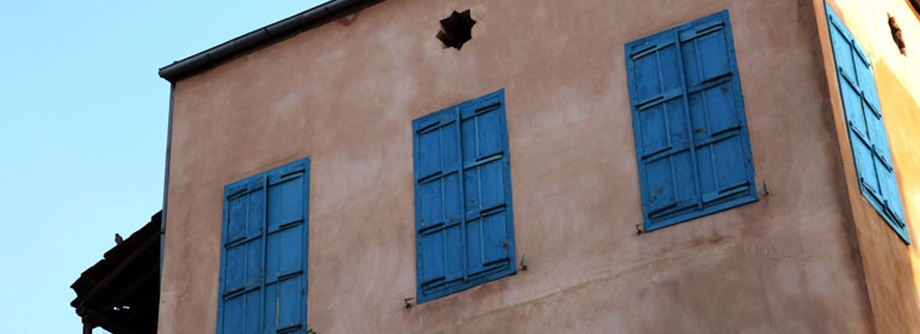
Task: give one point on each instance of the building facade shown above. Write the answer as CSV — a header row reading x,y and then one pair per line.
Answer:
x,y
543,166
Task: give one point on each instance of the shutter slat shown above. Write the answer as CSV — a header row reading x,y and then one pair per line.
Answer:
x,y
290,303
233,314
253,306
701,29
647,49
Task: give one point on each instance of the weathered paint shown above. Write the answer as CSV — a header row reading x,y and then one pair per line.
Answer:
x,y
345,94
695,159
890,267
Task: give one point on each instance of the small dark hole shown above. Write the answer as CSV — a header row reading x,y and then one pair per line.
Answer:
x,y
896,35
456,29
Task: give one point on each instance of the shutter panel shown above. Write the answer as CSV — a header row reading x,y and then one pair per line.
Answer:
x,y
875,127
254,299
661,125
233,309
852,70
488,246
235,250
717,125
884,184
285,258
860,141
237,222
242,260
438,212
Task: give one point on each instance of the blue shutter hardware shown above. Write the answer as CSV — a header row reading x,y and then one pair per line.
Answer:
x,y
264,256
464,228
868,138
688,117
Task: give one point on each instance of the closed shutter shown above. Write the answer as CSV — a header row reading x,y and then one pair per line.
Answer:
x,y
463,192
691,134
868,137
716,123
241,277
285,282
485,189
439,213
665,150
263,271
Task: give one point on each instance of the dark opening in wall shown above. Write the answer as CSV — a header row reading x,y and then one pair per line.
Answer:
x,y
896,35
456,29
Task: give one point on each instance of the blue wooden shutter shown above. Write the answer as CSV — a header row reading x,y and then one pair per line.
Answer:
x,y
285,282
868,137
263,267
464,225
241,274
486,190
717,124
663,128
688,116
438,209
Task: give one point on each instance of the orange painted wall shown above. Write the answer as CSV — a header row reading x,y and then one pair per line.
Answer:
x,y
889,265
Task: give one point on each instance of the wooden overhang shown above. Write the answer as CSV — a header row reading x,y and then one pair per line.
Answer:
x,y
121,292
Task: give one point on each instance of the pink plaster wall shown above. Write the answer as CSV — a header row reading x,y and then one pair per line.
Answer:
x,y
345,95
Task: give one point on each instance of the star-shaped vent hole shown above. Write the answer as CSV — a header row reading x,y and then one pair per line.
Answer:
x,y
456,29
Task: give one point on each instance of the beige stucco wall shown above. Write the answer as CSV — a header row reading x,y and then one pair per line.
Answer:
x,y
891,267
345,95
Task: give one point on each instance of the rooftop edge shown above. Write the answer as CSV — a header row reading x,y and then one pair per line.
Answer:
x,y
276,31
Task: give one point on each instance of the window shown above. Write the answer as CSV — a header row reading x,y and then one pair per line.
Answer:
x,y
691,133
263,272
464,233
868,138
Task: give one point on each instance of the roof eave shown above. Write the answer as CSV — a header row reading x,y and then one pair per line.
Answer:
x,y
285,28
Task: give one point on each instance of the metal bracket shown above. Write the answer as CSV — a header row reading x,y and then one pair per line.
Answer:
x,y
408,301
640,229
523,266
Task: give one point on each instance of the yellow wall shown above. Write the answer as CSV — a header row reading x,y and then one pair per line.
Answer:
x,y
891,268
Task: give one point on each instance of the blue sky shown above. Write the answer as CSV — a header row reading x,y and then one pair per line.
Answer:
x,y
83,133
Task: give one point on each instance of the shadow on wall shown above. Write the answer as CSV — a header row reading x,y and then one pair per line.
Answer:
x,y
902,275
